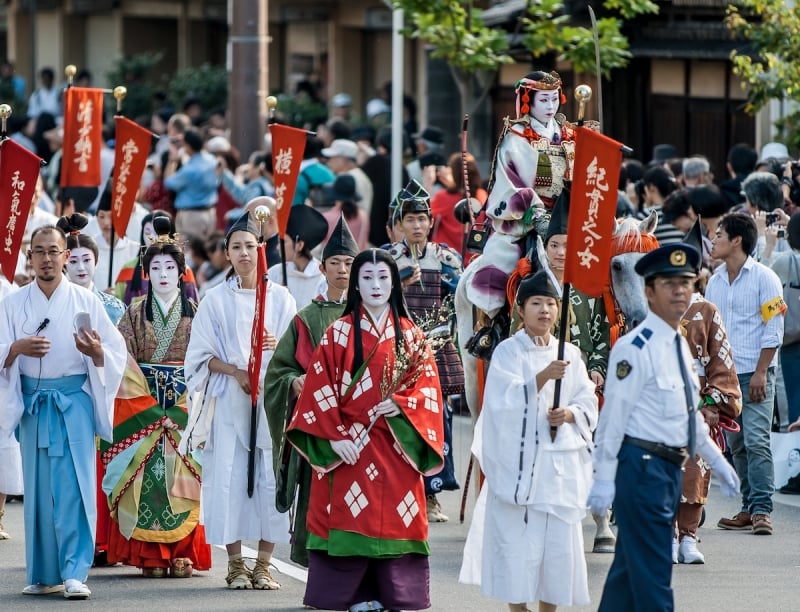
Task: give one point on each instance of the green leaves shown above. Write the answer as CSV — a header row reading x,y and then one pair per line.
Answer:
x,y
771,72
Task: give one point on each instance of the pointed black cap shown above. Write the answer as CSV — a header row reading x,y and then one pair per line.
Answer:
x,y
246,223
558,218
694,236
412,199
306,224
536,284
341,241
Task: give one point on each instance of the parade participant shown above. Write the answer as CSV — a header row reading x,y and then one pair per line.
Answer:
x,y
62,365
82,262
368,421
305,230
124,248
219,387
533,161
527,537
81,265
132,281
647,430
750,299
720,395
286,376
154,491
431,272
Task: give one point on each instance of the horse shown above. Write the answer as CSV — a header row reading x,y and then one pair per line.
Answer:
x,y
626,307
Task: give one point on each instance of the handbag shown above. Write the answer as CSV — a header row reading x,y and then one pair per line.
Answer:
x,y
791,297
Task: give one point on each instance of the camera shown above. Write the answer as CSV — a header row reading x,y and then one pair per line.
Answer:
x,y
781,233
772,218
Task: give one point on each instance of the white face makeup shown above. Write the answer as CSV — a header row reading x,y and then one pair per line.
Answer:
x,y
80,267
164,276
545,105
375,286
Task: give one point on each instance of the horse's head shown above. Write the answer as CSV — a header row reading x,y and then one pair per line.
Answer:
x,y
631,240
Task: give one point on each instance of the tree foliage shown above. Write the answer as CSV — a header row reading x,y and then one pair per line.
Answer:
x,y
771,72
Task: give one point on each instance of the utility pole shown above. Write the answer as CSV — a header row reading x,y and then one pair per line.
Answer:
x,y
247,67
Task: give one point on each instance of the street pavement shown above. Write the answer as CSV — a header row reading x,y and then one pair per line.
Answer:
x,y
742,572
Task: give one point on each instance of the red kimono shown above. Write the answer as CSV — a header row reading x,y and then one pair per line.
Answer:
x,y
375,508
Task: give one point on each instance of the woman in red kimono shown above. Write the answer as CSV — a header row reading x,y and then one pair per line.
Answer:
x,y
369,422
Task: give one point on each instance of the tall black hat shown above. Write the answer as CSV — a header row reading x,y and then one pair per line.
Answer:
x,y
558,218
306,224
245,223
341,241
412,199
694,236
536,284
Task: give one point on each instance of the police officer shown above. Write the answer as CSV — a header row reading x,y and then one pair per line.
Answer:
x,y
648,428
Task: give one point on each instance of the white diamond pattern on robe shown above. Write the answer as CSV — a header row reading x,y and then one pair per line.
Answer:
x,y
363,384
429,371
432,434
341,332
310,417
324,340
317,367
431,402
325,397
355,499
408,509
372,471
412,403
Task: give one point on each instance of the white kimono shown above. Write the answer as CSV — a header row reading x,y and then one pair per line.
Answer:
x,y
525,542
304,286
220,415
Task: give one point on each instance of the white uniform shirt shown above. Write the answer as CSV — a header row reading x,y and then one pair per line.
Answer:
x,y
645,398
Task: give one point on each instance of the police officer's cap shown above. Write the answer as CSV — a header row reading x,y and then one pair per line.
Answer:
x,y
536,284
677,259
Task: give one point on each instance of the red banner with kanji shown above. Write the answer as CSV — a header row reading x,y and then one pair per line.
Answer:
x,y
592,208
83,137
19,171
288,146
257,333
131,149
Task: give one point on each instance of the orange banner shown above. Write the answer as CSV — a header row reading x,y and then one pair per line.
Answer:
x,y
83,137
257,332
130,157
592,208
288,146
19,171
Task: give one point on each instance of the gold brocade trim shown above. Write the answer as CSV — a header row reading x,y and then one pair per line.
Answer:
x,y
174,535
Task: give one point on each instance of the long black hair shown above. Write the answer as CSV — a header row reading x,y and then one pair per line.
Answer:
x,y
397,302
162,225
136,280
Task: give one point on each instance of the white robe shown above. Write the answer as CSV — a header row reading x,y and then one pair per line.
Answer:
x,y
124,250
304,286
525,542
22,312
220,415
10,460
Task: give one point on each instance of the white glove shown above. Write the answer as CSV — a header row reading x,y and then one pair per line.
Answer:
x,y
347,450
601,496
728,479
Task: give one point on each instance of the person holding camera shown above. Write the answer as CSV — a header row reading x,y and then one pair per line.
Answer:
x,y
764,202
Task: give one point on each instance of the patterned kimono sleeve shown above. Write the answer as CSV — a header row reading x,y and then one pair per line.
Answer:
x,y
317,418
419,429
601,339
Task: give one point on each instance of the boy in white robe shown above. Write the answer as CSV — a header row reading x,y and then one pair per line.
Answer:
x,y
526,542
58,383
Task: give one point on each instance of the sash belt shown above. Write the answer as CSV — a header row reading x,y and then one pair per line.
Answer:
x,y
49,398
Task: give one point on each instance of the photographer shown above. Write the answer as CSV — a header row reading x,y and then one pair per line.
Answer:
x,y
764,202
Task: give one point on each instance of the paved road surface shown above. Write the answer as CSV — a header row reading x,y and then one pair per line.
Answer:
x,y
742,572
